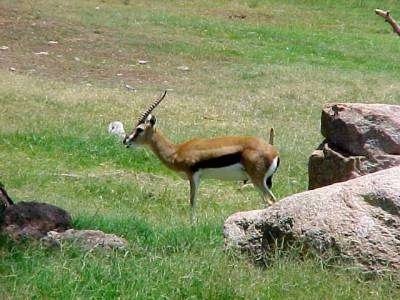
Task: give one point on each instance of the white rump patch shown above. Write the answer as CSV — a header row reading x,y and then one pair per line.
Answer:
x,y
272,168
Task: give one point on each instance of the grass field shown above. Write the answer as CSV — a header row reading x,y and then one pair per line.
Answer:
x,y
251,65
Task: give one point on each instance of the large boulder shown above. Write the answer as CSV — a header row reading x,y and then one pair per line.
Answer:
x,y
358,219
359,139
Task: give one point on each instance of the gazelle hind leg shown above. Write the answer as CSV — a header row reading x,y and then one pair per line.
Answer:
x,y
266,193
267,181
269,196
264,184
194,186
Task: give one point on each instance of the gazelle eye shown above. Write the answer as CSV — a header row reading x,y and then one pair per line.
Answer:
x,y
138,131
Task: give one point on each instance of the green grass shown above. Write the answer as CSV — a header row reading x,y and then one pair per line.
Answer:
x,y
276,67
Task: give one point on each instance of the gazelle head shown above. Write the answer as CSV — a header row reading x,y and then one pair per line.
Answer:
x,y
144,127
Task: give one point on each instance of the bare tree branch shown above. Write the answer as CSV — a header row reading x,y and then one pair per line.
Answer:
x,y
388,18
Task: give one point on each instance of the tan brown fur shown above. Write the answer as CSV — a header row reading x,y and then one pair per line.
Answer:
x,y
256,155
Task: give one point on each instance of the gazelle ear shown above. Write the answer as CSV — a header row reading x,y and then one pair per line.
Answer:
x,y
151,120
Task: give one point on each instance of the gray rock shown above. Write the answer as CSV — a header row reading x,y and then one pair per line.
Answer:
x,y
86,239
358,219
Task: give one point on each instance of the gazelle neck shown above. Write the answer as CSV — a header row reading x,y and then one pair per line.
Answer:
x,y
162,147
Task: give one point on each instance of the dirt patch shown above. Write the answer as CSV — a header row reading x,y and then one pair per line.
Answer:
x,y
53,48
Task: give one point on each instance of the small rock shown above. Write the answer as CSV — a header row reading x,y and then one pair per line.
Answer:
x,y
237,16
77,58
142,61
87,239
117,128
12,69
52,42
42,53
3,48
183,68
130,88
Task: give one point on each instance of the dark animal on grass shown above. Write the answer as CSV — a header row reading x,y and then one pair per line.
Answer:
x,y
30,219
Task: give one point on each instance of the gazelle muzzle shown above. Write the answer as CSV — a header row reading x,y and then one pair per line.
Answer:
x,y
128,140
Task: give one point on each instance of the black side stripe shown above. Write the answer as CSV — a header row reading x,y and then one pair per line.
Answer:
x,y
218,162
269,182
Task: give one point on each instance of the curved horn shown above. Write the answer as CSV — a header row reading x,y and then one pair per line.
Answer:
x,y
144,115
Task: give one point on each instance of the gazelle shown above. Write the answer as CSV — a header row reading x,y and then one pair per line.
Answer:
x,y
225,158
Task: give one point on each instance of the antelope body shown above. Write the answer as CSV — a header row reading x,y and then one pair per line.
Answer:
x,y
224,158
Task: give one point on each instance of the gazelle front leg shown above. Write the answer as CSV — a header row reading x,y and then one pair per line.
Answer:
x,y
194,180
268,197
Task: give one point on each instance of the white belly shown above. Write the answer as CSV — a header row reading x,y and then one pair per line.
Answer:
x,y
232,172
